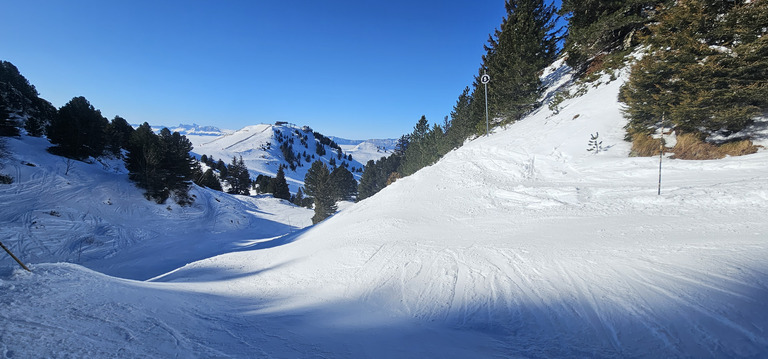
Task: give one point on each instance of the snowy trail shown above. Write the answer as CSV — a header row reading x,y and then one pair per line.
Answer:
x,y
520,244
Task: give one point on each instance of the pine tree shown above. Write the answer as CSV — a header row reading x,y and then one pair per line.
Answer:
x,y
598,27
298,199
344,184
176,164
143,162
704,72
238,177
209,179
118,134
317,185
280,185
78,130
462,123
518,51
8,127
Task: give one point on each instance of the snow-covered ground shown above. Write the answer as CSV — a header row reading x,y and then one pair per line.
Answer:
x,y
520,244
260,148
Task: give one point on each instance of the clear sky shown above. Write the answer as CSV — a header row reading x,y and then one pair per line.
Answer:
x,y
357,69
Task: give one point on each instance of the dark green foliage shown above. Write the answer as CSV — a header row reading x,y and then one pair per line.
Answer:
x,y
302,201
281,186
143,162
222,168
317,184
209,179
161,165
319,149
264,184
78,131
177,164
462,123
8,126
344,184
376,175
425,146
705,71
118,134
598,27
288,154
21,98
515,55
238,177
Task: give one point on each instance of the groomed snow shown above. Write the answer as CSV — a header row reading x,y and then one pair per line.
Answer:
x,y
520,244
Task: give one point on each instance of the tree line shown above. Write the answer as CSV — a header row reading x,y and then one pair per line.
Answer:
x,y
703,73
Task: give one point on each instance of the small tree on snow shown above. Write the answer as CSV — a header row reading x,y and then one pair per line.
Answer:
x,y
595,144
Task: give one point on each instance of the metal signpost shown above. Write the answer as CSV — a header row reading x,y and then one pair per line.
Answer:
x,y
485,79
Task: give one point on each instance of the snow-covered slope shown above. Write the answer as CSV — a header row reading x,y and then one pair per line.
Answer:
x,y
260,147
93,215
520,244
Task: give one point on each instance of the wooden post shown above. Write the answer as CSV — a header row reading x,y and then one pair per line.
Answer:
x,y
14,257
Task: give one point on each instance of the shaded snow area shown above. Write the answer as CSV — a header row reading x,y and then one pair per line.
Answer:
x,y
91,214
521,244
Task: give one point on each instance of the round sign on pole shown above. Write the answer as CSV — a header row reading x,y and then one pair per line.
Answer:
x,y
485,79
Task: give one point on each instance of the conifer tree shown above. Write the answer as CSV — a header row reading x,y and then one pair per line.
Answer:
x,y
516,53
209,179
161,165
344,184
176,164
143,162
317,185
280,185
8,127
601,26
78,131
238,177
704,72
118,134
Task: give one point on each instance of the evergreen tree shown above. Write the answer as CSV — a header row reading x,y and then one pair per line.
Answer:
x,y
118,134
238,177
704,72
22,99
78,130
144,162
264,184
8,127
176,165
161,165
298,199
462,123
281,186
209,179
317,185
376,174
222,168
523,46
598,27
344,184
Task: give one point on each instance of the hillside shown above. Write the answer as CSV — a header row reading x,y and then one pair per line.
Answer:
x,y
519,244
260,147
91,214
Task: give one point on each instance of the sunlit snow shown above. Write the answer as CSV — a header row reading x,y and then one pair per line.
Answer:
x,y
519,244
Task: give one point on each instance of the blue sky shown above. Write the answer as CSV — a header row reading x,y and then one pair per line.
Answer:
x,y
355,69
